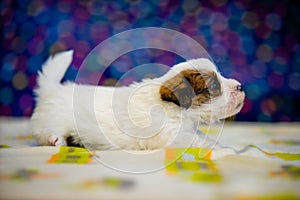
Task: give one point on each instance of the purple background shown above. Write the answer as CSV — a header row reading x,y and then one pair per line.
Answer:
x,y
256,42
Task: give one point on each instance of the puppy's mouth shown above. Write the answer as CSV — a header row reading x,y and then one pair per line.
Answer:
x,y
239,105
235,103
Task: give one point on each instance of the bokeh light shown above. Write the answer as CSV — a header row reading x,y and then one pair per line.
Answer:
x,y
256,42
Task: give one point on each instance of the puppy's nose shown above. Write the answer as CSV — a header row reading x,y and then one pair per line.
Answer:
x,y
239,88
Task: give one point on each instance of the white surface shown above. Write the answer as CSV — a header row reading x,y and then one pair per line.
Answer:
x,y
243,176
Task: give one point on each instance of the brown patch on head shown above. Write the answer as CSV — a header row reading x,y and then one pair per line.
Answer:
x,y
190,87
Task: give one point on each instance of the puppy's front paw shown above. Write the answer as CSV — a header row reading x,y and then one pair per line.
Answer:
x,y
57,141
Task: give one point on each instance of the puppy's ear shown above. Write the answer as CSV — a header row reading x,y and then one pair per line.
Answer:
x,y
181,88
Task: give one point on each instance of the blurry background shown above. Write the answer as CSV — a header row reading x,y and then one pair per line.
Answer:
x,y
256,42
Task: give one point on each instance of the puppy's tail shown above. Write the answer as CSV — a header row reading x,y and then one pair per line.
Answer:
x,y
54,69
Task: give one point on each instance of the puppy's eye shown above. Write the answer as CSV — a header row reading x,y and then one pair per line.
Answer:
x,y
202,91
214,86
198,92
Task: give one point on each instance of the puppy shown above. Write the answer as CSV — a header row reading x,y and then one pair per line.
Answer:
x,y
152,114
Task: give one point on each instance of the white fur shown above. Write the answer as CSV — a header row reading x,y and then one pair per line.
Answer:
x,y
132,118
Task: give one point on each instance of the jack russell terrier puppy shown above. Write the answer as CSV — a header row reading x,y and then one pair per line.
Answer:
x,y
152,114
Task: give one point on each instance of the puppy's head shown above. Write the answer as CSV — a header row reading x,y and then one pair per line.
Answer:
x,y
196,84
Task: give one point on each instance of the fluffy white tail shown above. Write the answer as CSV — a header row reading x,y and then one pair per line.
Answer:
x,y
54,69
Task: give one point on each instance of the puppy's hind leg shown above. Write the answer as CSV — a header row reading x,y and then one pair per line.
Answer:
x,y
57,140
49,137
